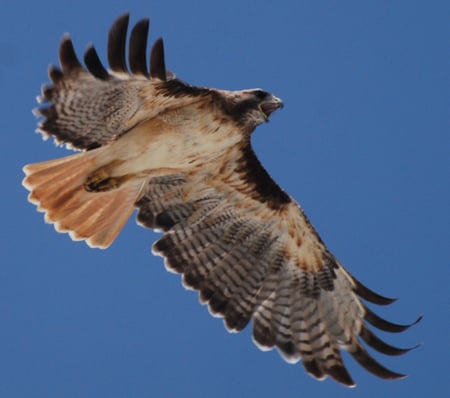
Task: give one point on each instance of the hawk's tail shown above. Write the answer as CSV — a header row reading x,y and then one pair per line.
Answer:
x,y
56,187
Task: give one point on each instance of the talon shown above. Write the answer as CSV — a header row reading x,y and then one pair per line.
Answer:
x,y
97,185
100,180
96,181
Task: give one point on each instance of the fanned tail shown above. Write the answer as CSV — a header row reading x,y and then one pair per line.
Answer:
x,y
56,187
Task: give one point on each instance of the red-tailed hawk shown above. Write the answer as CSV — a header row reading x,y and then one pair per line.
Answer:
x,y
182,156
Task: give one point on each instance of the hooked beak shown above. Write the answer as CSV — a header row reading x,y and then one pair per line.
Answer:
x,y
270,105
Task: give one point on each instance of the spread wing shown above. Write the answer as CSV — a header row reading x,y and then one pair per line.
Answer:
x,y
85,109
251,252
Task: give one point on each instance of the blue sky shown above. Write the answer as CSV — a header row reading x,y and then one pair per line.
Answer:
x,y
362,143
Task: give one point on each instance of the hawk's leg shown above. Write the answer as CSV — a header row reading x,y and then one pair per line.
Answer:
x,y
101,180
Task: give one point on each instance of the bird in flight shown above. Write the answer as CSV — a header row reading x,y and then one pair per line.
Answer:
x,y
181,155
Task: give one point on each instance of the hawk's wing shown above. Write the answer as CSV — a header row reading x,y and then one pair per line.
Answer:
x,y
250,251
111,102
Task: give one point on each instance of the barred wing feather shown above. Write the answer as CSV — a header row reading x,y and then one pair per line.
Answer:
x,y
251,261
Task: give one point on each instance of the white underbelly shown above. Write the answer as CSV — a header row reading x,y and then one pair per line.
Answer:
x,y
156,145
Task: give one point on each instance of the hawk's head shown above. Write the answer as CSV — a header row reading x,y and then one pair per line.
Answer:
x,y
249,108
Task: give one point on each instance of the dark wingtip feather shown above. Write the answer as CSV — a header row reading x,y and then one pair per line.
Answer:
x,y
313,369
94,65
49,113
46,112
375,342
47,92
263,336
67,56
205,292
288,350
163,246
385,325
117,42
373,366
338,373
341,375
217,303
370,295
157,63
235,320
55,74
193,280
138,46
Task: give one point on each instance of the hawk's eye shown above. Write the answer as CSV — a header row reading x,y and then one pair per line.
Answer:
x,y
260,94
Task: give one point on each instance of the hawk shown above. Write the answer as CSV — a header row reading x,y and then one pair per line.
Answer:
x,y
182,156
